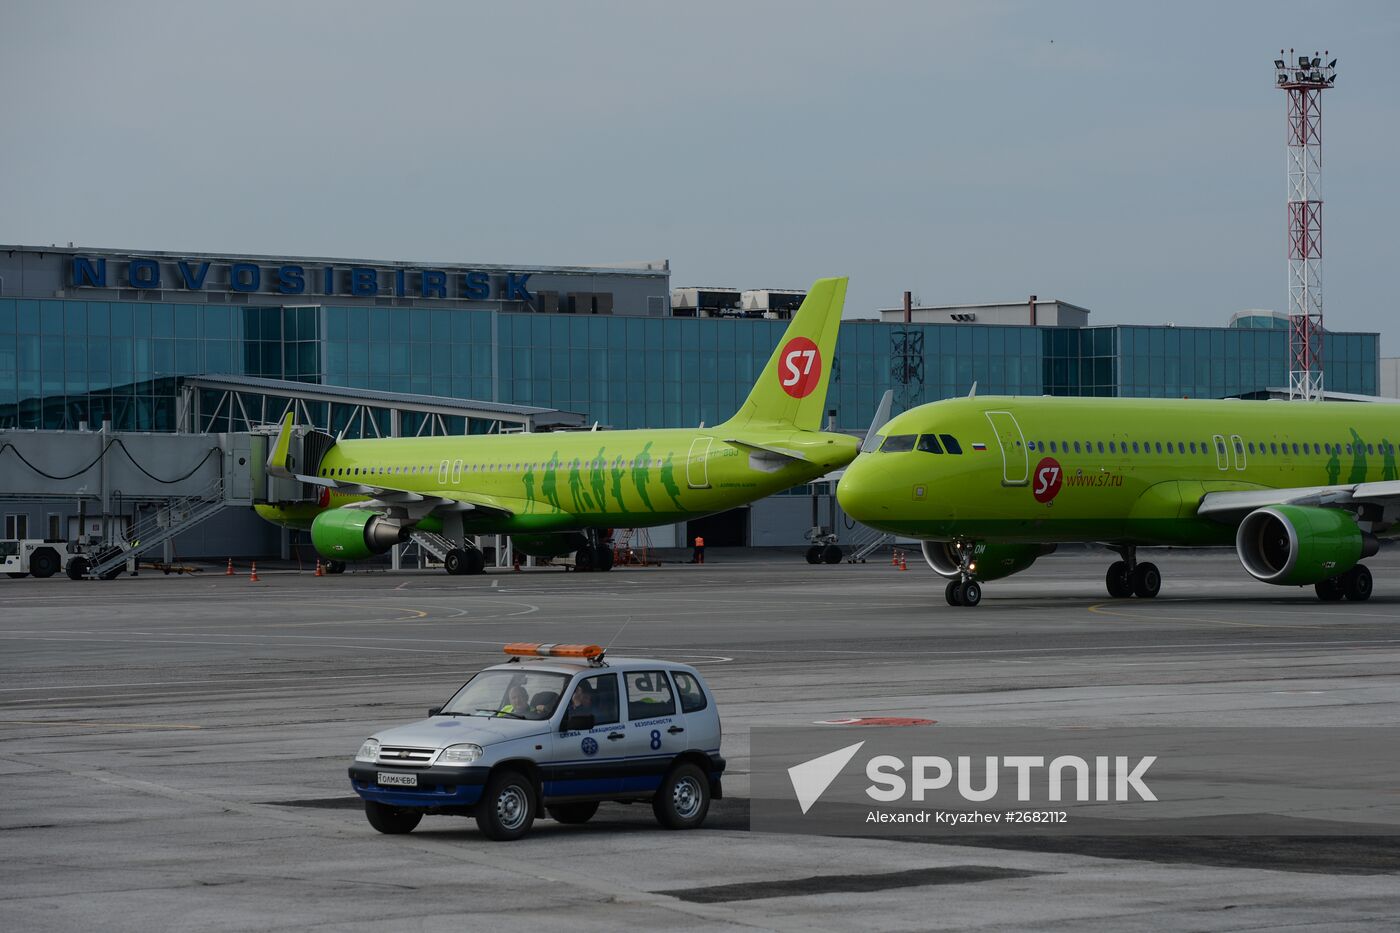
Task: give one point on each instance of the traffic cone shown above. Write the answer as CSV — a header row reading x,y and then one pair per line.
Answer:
x,y
903,562
229,571
253,577
894,557
319,571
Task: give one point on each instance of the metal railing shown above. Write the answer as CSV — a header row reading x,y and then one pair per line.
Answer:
x,y
169,519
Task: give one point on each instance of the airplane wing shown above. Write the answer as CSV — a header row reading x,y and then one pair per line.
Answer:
x,y
398,503
768,457
1234,504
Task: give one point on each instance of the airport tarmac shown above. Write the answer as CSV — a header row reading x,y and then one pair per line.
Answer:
x,y
174,748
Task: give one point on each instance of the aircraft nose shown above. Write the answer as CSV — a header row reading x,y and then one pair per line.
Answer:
x,y
860,490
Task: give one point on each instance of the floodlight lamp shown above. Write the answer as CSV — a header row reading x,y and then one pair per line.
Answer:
x,y
1303,61
1278,63
1282,78
1316,62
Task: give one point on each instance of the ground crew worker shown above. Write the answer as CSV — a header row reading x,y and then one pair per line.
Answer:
x,y
699,556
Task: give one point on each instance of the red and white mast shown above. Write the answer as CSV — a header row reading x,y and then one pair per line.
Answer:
x,y
1303,78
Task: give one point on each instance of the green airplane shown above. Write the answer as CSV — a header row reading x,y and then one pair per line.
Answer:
x,y
559,493
1302,491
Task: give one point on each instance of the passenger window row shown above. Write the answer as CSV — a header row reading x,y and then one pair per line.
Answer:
x,y
1204,447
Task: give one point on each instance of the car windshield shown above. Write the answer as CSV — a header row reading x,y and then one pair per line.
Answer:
x,y
509,694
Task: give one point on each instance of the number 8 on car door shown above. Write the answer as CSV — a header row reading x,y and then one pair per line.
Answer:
x,y
655,729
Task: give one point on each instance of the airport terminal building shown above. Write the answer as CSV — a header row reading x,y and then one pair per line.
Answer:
x,y
153,341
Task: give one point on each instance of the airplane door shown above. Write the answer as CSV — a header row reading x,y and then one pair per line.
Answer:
x,y
697,463
1238,444
1222,457
1015,459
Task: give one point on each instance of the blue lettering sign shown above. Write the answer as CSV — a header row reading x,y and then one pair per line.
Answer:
x,y
244,277
143,273
86,273
434,284
328,281
291,280
193,280
364,281
515,287
476,286
398,283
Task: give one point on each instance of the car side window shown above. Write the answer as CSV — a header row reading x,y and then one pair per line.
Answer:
x,y
596,695
649,694
692,697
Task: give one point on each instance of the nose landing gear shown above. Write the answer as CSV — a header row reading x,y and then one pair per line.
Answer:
x,y
1127,577
964,590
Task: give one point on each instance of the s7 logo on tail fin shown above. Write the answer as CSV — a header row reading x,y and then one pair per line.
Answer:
x,y
799,367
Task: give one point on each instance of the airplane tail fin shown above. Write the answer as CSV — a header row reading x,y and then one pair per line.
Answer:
x,y
792,387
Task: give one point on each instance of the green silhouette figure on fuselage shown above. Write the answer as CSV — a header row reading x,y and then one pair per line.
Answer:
x,y
529,480
597,478
1358,459
1334,466
641,476
668,480
1388,470
582,502
619,470
549,488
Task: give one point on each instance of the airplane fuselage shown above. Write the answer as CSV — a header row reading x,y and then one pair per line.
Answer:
x,y
1130,471
570,481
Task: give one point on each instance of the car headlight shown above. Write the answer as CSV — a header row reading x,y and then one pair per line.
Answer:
x,y
459,755
368,751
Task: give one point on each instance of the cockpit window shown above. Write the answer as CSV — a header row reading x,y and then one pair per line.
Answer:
x,y
929,443
898,443
950,443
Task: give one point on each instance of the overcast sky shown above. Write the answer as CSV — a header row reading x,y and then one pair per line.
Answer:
x,y
1128,157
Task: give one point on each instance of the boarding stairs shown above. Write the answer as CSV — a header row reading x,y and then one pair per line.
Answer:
x,y
173,517
632,547
867,542
432,543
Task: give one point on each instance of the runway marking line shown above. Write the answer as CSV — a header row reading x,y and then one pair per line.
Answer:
x,y
96,723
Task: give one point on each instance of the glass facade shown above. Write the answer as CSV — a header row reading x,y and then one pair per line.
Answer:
x,y
64,362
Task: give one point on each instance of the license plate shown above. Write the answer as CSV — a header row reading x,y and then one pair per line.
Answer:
x,y
397,780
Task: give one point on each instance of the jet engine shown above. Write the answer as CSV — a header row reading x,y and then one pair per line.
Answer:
x,y
990,561
1293,545
354,534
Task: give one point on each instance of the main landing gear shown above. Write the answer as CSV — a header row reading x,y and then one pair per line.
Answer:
x,y
824,554
596,554
1127,577
1354,585
964,590
461,561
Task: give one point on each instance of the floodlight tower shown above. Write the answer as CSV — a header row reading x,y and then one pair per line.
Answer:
x,y
1304,78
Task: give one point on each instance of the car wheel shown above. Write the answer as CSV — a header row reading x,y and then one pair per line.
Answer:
x,y
814,554
950,593
831,554
603,560
583,559
683,799
573,812
391,820
507,808
455,562
77,567
335,566
1331,589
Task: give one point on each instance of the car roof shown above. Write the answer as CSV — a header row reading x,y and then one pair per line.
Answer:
x,y
569,666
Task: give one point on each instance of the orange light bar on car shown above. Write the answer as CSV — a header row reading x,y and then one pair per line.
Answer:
x,y
525,649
